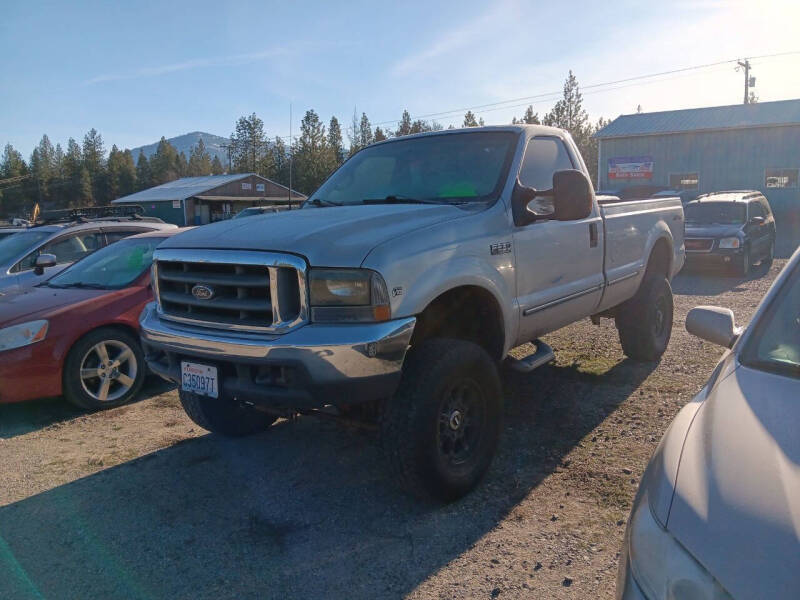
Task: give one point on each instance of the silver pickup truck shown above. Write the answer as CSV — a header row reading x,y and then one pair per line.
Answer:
x,y
395,293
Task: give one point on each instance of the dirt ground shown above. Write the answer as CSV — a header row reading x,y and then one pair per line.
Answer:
x,y
138,502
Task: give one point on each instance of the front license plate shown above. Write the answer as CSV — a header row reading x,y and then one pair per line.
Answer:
x,y
199,379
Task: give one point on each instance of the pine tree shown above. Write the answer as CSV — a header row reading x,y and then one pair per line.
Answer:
x,y
216,166
364,131
404,127
114,167
42,165
530,117
471,121
181,165
127,174
73,168
199,160
379,135
144,175
280,160
353,135
14,198
94,162
85,196
250,147
58,162
163,164
313,157
335,140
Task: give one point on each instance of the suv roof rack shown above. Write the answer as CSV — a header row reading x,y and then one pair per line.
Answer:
x,y
129,212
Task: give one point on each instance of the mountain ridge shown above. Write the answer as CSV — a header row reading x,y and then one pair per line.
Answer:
x,y
185,142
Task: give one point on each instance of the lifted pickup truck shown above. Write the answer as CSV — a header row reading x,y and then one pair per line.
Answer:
x,y
402,285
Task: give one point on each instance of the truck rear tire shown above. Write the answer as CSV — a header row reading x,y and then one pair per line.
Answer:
x,y
440,430
645,321
223,416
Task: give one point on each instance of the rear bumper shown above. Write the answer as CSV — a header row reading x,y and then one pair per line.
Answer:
x,y
309,367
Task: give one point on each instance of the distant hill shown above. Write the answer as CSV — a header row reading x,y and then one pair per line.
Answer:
x,y
184,143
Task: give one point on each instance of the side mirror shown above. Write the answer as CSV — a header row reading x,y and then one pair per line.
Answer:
x,y
521,204
44,261
713,324
573,195
757,220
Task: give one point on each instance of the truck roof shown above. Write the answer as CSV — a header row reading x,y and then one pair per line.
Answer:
x,y
728,196
517,128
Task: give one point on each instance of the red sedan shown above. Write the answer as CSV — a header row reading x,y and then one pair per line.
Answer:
x,y
78,334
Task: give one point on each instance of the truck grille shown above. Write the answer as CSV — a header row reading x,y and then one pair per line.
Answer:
x,y
698,244
241,290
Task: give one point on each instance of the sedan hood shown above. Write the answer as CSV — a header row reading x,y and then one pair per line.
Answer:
x,y
712,231
334,236
737,498
41,303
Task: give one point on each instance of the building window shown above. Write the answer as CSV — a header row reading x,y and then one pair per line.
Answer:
x,y
684,181
781,178
247,186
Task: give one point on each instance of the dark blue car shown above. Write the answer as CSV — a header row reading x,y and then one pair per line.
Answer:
x,y
732,229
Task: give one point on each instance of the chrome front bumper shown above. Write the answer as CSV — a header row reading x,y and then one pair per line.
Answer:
x,y
330,363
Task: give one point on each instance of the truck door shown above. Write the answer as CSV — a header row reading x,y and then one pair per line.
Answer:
x,y
559,264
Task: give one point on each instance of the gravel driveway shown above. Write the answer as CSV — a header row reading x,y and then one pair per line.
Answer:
x,y
137,502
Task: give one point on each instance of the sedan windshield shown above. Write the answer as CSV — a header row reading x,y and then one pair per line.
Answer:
x,y
453,168
114,266
20,243
723,213
775,343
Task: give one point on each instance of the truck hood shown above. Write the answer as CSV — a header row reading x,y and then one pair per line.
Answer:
x,y
712,230
339,236
737,497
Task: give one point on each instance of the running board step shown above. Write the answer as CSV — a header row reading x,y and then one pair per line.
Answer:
x,y
543,355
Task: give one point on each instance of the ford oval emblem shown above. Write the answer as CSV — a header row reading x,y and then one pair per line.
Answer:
x,y
203,292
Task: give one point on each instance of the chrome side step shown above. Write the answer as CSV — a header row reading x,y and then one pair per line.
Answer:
x,y
543,355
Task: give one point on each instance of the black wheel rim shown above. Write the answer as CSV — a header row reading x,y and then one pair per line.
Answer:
x,y
660,314
462,416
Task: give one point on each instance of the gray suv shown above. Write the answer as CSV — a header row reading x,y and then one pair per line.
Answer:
x,y
35,254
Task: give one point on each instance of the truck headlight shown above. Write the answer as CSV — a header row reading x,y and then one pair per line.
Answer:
x,y
348,295
731,242
661,566
23,334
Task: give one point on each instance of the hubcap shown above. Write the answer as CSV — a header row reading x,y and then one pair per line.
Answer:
x,y
461,421
108,370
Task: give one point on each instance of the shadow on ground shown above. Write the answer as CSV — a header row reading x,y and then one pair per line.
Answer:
x,y
26,417
302,510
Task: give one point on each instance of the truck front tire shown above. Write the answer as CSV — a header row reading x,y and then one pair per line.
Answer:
x,y
224,416
440,429
645,321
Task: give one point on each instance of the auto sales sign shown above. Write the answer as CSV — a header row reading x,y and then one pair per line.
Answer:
x,y
630,167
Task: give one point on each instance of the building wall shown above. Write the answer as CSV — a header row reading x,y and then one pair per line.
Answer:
x,y
235,188
164,211
731,159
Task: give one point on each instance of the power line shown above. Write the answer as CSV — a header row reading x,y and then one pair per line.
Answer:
x,y
507,104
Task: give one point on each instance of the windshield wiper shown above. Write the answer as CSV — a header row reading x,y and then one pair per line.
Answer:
x,y
320,202
81,285
404,200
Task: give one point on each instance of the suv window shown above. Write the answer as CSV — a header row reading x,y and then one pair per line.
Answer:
x,y
756,210
115,235
543,157
67,248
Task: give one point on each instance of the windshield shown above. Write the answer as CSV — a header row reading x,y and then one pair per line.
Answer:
x,y
775,344
114,266
20,243
450,168
248,212
724,213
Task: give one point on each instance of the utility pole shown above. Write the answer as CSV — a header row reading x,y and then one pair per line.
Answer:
x,y
748,82
291,153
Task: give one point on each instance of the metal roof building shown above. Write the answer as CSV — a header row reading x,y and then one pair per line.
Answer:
x,y
694,151
201,200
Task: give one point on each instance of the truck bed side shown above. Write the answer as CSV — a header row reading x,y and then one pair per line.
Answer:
x,y
632,230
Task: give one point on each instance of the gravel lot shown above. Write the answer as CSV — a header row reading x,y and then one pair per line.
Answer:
x,y
137,502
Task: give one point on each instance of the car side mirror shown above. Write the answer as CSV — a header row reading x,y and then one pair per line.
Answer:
x,y
529,204
572,195
43,261
713,324
757,220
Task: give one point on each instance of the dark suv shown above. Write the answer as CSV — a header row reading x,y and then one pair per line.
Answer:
x,y
734,229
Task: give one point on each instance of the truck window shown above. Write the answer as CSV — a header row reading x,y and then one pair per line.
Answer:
x,y
543,157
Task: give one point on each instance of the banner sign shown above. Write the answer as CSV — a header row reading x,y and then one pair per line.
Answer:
x,y
630,167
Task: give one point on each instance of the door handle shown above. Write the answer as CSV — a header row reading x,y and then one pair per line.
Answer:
x,y
592,235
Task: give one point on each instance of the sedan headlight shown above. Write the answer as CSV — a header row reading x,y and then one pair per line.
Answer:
x,y
348,295
731,242
661,566
23,334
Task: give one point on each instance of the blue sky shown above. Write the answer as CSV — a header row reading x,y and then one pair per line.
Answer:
x,y
139,70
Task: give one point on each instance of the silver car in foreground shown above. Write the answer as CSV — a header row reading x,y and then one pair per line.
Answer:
x,y
717,514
